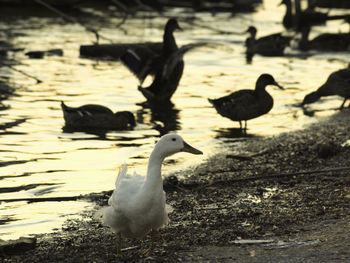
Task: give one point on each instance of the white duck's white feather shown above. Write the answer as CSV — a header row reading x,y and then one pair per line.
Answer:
x,y
133,211
137,205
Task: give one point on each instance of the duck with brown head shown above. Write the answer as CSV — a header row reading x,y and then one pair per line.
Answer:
x,y
247,104
270,45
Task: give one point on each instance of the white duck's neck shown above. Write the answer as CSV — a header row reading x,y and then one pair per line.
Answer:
x,y
154,176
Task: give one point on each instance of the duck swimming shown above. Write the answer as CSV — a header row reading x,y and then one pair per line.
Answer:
x,y
271,45
338,83
93,116
324,42
137,205
245,104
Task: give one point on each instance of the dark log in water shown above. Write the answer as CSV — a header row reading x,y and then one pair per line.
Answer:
x,y
114,51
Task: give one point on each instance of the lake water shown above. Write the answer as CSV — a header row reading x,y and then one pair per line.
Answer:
x,y
40,160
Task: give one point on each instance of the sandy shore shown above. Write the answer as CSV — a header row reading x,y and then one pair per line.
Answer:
x,y
279,199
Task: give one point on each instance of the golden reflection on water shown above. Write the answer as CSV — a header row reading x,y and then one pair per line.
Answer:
x,y
71,164
46,218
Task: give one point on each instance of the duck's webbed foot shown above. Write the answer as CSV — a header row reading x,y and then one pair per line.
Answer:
x,y
148,251
119,253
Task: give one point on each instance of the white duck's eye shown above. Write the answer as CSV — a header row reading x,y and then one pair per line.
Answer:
x,y
173,139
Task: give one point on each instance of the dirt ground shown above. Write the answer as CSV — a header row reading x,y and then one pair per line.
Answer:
x,y
279,199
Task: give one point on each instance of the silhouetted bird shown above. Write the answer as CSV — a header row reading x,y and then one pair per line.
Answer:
x,y
325,42
330,3
92,116
271,45
244,105
142,66
287,20
306,18
338,83
166,67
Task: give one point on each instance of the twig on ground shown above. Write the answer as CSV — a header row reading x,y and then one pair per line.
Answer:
x,y
271,177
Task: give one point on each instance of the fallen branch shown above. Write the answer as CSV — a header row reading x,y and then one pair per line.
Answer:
x,y
74,20
11,124
130,248
293,174
268,177
43,199
22,72
246,157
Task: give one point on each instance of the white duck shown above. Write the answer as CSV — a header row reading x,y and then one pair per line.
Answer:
x,y
137,205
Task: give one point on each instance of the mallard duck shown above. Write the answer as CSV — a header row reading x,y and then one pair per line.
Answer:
x,y
271,45
338,83
167,67
245,104
165,81
325,42
92,116
168,76
137,205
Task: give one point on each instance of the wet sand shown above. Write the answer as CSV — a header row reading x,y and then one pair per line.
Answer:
x,y
292,191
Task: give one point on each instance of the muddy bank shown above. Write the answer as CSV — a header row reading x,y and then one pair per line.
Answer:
x,y
292,191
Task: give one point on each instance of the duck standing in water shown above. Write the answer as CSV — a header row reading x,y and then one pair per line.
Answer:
x,y
137,205
93,116
166,67
245,104
338,83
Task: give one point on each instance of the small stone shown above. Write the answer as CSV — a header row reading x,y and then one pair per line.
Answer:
x,y
327,150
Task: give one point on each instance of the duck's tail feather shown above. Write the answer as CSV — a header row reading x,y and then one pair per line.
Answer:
x,y
121,174
66,109
99,214
71,110
211,101
64,106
